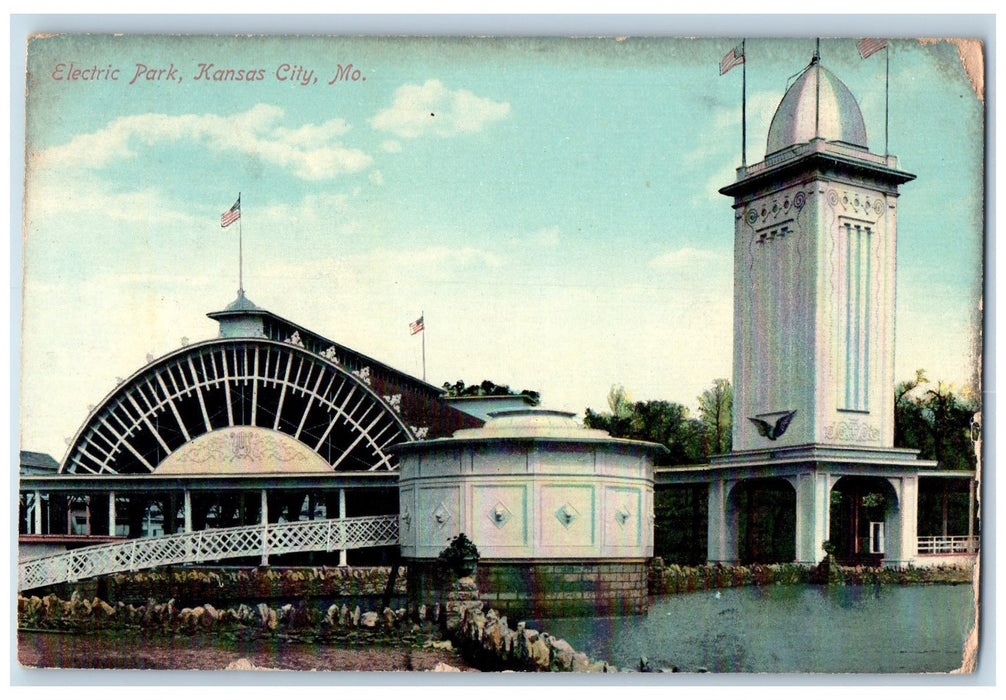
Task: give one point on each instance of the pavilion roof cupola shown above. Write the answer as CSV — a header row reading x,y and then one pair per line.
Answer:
x,y
816,105
241,319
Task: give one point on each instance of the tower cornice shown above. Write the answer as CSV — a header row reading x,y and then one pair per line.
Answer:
x,y
817,156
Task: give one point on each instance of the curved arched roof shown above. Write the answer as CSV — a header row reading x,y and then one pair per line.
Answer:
x,y
229,386
804,113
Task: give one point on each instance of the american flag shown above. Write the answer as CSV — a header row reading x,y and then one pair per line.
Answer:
x,y
868,47
732,59
231,215
416,325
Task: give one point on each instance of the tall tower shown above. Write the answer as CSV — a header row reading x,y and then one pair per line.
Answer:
x,y
815,234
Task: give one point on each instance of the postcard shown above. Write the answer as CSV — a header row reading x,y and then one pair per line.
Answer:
x,y
617,354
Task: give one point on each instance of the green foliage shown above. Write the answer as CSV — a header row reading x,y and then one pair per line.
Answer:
x,y
936,421
716,414
485,388
689,440
653,421
460,555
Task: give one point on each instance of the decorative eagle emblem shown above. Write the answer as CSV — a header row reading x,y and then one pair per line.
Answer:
x,y
770,431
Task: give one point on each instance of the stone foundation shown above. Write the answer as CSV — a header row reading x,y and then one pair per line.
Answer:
x,y
541,589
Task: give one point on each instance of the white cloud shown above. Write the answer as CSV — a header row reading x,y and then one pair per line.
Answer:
x,y
311,151
431,108
546,237
391,146
682,258
376,177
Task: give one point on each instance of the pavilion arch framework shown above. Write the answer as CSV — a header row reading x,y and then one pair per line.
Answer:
x,y
232,385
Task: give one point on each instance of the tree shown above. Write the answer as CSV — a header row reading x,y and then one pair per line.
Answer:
x,y
662,422
936,421
485,388
715,412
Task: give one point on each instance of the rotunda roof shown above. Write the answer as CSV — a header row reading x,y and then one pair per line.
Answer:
x,y
838,115
533,423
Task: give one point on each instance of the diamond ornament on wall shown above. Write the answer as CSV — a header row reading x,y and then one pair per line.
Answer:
x,y
499,515
622,514
566,515
441,515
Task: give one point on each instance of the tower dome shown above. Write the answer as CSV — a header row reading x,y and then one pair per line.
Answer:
x,y
837,113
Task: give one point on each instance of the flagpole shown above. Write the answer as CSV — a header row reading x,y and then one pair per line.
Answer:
x,y
744,106
887,80
241,282
817,91
422,315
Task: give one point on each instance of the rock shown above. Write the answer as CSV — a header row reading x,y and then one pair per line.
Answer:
x,y
389,617
444,644
581,662
441,667
562,654
644,665
243,664
356,616
421,613
343,615
539,654
369,619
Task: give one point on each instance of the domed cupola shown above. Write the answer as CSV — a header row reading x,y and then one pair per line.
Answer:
x,y
817,104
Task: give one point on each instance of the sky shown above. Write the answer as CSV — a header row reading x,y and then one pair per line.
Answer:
x,y
549,205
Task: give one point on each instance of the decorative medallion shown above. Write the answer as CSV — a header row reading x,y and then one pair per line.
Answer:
x,y
330,355
566,515
622,514
441,515
395,401
295,339
499,515
406,518
364,374
799,199
773,430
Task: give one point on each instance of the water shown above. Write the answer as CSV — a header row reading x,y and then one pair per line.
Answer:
x,y
785,629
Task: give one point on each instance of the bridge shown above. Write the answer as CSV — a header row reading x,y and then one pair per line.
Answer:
x,y
208,546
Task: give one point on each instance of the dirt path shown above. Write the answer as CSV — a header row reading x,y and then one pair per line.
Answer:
x,y
134,651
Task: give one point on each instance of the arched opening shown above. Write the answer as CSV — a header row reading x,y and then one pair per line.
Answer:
x,y
765,516
864,520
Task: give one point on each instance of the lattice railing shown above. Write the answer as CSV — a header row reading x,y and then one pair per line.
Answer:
x,y
209,545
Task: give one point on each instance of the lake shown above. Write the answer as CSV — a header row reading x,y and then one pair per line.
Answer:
x,y
784,629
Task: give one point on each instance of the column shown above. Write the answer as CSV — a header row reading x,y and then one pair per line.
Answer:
x,y
722,528
38,510
812,506
187,507
111,513
909,507
342,514
265,527
971,517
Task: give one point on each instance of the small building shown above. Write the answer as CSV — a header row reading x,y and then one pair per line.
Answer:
x,y
562,515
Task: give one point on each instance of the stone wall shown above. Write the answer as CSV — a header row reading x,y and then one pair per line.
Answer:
x,y
222,585
544,589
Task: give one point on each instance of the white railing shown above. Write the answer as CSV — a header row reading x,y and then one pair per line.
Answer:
x,y
207,546
948,545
